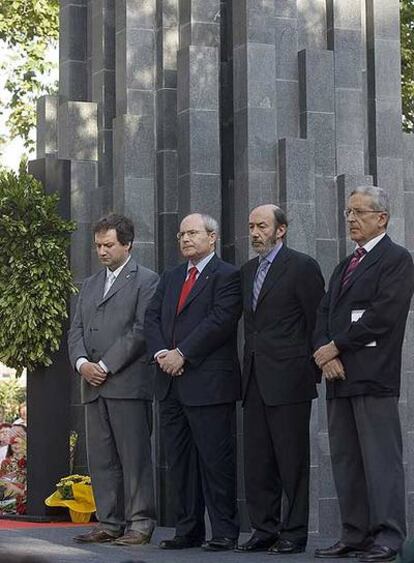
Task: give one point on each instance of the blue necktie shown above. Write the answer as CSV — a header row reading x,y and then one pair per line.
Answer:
x,y
259,279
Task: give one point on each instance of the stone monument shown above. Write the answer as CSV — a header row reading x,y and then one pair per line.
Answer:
x,y
171,106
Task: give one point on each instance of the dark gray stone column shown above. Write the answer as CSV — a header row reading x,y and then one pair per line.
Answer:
x,y
407,394
345,40
167,35
73,50
384,105
317,121
134,138
255,138
198,68
286,85
102,72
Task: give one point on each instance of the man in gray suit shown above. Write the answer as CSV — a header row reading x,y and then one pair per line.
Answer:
x,y
107,348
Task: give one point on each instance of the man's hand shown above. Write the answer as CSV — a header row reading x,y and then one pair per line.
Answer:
x,y
93,373
333,369
171,362
325,354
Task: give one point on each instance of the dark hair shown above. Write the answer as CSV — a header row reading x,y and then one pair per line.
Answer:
x,y
123,226
280,217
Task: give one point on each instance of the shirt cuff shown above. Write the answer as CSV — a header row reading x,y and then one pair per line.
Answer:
x,y
79,363
160,352
103,366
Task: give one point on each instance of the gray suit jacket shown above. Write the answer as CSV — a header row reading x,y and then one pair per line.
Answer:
x,y
110,329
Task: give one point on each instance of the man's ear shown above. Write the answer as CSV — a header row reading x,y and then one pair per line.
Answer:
x,y
281,231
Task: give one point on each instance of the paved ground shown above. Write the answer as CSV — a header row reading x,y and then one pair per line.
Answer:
x,y
55,545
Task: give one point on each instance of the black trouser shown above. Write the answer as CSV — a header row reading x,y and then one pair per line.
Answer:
x,y
276,454
200,446
366,451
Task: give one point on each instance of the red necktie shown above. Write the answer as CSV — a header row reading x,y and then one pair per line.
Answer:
x,y
353,264
187,287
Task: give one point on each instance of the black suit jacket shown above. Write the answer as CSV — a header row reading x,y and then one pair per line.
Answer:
x,y
278,335
382,286
205,331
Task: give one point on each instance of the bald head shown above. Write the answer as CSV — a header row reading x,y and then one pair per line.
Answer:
x,y
267,226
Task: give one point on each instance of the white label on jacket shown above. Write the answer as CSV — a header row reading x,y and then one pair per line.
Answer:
x,y
356,314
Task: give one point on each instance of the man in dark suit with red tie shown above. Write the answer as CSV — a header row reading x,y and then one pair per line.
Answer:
x,y
359,335
191,331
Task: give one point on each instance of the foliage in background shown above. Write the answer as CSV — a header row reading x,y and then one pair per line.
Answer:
x,y
35,278
29,28
407,64
11,395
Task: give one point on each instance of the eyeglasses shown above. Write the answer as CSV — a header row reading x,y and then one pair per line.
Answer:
x,y
190,234
360,212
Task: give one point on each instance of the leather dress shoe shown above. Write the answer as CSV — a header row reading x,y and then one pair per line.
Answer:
x,y
284,546
181,542
339,550
378,553
255,543
97,535
219,544
133,537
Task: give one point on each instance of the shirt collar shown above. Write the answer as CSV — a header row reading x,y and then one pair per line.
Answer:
x,y
373,242
202,264
270,256
118,270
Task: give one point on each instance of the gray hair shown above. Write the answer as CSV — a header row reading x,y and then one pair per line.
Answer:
x,y
379,197
210,224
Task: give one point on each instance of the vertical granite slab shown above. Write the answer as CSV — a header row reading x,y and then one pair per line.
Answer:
x,y
297,192
312,28
198,108
384,105
134,124
73,70
317,121
102,69
255,127
345,40
46,126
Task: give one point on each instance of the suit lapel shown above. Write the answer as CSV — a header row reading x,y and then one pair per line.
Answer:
x,y
126,274
370,259
201,282
176,286
251,269
275,272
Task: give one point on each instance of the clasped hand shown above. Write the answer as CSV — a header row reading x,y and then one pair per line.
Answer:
x,y
326,358
171,362
93,373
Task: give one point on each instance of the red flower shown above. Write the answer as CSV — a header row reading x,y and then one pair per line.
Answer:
x,y
22,463
21,507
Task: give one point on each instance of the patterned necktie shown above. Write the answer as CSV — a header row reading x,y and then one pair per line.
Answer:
x,y
353,264
187,287
258,280
110,278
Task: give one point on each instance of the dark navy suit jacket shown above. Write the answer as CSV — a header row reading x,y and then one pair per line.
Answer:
x,y
205,331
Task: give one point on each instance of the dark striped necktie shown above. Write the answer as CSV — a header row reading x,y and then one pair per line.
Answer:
x,y
353,264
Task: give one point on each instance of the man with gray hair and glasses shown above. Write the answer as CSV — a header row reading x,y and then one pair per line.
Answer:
x,y
358,340
191,330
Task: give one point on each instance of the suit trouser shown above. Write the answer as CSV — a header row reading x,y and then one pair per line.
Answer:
x,y
366,450
276,456
200,447
118,439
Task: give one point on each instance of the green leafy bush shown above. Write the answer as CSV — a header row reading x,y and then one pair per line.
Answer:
x,y
35,278
11,395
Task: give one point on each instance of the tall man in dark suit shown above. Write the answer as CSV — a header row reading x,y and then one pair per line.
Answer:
x,y
359,335
191,328
108,350
281,291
